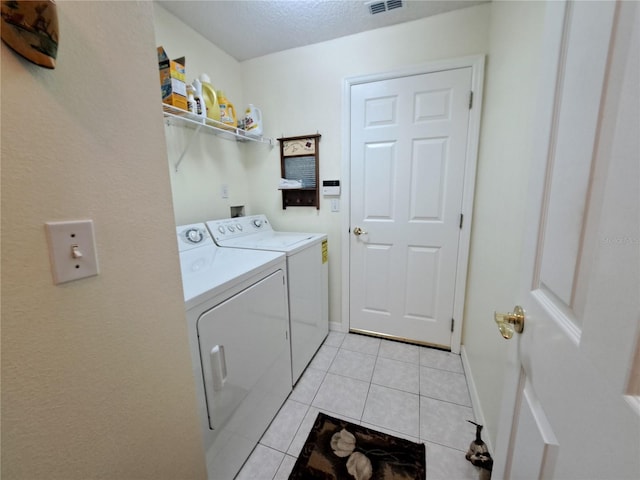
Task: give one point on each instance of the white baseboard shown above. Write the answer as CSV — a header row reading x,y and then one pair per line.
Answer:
x,y
338,327
475,399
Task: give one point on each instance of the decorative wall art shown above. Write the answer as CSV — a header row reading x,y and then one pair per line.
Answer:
x,y
30,28
299,161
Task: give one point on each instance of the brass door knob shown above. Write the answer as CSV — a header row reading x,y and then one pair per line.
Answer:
x,y
511,322
358,231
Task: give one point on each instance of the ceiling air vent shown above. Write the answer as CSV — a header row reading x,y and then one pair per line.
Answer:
x,y
376,7
383,6
393,4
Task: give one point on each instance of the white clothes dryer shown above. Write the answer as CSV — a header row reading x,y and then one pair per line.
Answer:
x,y
307,273
238,326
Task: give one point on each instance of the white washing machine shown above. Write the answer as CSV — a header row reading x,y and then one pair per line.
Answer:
x,y
307,273
238,325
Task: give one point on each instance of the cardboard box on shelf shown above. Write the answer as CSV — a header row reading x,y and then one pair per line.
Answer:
x,y
172,80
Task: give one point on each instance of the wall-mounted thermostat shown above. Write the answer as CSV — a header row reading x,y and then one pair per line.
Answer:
x,y
331,187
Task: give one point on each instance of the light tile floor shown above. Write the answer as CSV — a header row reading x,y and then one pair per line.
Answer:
x,y
409,391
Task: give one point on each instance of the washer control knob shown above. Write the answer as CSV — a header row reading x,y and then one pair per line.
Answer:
x,y
221,229
239,227
230,228
193,235
257,222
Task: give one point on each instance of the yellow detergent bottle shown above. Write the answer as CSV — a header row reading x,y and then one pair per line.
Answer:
x,y
227,111
210,98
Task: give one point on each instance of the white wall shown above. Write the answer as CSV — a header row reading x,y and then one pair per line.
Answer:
x,y
96,374
502,180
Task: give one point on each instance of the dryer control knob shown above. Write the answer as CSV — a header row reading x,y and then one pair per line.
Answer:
x,y
193,235
221,229
239,227
257,222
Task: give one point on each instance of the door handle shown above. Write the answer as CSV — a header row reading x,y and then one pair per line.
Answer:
x,y
358,231
218,367
511,322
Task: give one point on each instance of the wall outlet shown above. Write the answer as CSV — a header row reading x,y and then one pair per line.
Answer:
x,y
335,205
224,190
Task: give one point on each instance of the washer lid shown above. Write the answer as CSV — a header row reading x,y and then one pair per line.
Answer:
x,y
272,240
255,232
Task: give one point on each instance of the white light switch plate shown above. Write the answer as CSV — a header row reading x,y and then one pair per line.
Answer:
x,y
72,250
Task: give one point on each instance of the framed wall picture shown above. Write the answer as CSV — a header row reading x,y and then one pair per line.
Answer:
x,y
300,163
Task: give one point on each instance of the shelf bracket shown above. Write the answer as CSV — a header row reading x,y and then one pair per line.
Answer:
x,y
176,117
186,148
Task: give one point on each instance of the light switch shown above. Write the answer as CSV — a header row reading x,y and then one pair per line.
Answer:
x,y
72,250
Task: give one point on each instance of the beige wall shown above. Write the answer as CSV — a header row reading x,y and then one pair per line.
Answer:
x,y
503,166
96,374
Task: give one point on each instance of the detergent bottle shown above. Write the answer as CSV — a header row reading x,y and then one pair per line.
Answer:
x,y
200,107
253,121
191,100
227,111
210,98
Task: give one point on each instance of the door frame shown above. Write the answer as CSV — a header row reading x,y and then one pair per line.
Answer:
x,y
476,63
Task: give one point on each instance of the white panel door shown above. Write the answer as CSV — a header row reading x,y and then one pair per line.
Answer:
x,y
569,411
408,152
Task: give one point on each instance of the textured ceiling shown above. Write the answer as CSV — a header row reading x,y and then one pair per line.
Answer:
x,y
251,28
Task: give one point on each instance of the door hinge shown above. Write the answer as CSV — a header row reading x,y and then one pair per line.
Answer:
x,y
452,324
461,219
470,100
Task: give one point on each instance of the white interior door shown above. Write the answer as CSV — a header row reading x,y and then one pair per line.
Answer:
x,y
569,409
409,139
